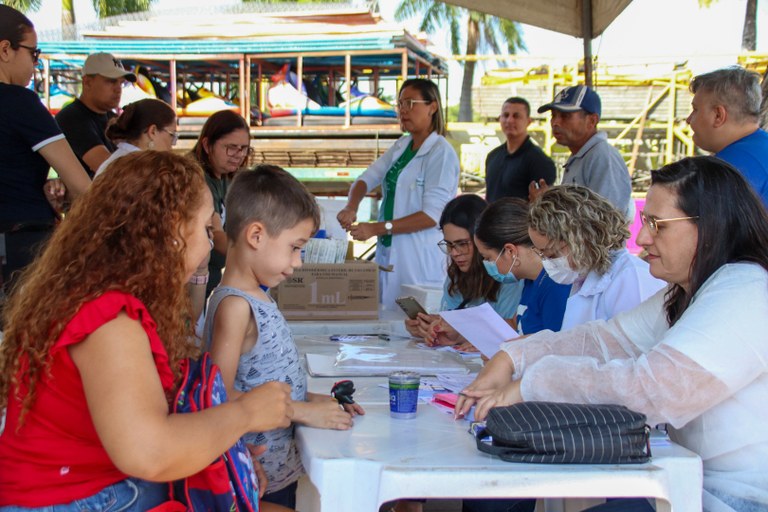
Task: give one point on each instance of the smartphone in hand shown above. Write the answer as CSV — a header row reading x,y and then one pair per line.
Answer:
x,y
410,307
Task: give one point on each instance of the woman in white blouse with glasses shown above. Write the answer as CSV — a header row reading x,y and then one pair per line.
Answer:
x,y
694,356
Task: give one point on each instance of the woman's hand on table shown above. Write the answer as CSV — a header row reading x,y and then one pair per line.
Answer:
x,y
412,326
443,334
507,395
346,217
422,325
494,376
465,346
322,413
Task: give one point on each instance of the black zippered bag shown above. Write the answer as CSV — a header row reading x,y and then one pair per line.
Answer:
x,y
559,433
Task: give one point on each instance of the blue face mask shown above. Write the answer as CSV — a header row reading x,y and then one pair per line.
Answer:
x,y
493,270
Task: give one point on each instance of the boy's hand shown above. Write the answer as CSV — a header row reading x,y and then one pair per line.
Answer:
x,y
354,409
325,413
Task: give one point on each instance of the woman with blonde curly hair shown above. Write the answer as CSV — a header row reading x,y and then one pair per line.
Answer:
x,y
581,240
94,333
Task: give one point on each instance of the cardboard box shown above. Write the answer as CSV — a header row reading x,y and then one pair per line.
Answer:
x,y
327,291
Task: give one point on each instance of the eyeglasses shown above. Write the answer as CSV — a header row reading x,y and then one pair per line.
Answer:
x,y
235,150
34,51
406,105
542,253
653,223
174,136
460,246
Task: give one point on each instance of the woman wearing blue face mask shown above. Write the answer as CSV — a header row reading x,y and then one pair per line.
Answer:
x,y
581,240
501,238
467,284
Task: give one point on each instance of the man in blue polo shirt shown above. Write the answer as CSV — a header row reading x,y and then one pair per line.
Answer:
x,y
725,120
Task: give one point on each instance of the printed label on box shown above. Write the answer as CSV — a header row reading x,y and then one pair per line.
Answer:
x,y
321,291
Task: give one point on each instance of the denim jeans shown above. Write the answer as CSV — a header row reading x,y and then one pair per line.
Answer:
x,y
129,495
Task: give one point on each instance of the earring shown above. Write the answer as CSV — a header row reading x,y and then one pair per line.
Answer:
x,y
175,242
151,144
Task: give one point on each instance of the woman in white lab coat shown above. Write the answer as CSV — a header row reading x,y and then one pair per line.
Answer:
x,y
418,175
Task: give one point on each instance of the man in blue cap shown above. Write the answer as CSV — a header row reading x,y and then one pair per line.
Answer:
x,y
85,120
593,162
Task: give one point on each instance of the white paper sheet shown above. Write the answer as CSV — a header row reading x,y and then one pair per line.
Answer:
x,y
481,326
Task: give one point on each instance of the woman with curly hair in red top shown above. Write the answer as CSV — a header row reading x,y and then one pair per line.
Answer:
x,y
94,332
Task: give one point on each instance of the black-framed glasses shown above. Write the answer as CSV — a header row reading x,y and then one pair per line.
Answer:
x,y
459,246
174,136
652,223
34,51
406,105
235,150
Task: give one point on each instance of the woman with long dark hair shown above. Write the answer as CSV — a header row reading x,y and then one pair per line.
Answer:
x,y
468,283
694,355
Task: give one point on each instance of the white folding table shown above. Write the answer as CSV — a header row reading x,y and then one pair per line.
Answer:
x,y
433,456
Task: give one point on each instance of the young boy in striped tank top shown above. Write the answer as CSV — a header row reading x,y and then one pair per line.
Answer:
x,y
270,217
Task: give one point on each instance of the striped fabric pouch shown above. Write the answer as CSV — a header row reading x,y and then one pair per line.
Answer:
x,y
558,433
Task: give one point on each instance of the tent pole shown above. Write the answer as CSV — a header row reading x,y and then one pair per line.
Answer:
x,y
586,34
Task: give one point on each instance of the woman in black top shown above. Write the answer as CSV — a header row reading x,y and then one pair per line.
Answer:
x,y
30,143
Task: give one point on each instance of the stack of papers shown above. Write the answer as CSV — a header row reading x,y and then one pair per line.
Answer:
x,y
324,250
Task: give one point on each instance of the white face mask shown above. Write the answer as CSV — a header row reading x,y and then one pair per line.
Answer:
x,y
559,270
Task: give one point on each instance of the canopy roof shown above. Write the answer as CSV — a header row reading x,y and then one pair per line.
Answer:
x,y
559,15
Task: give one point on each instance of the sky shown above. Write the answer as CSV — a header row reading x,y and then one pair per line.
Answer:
x,y
647,30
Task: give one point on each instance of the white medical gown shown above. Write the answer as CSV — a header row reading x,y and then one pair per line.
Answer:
x,y
706,376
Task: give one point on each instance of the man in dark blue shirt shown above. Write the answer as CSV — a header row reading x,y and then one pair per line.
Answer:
x,y
511,167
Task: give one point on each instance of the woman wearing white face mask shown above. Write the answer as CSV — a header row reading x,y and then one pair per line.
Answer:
x,y
581,240
501,237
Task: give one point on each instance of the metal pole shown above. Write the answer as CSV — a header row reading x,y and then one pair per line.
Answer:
x,y
299,86
173,85
47,82
586,33
348,87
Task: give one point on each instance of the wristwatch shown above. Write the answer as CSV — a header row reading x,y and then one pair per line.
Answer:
x,y
388,227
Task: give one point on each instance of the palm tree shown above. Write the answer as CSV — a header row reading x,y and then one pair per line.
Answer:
x,y
749,33
103,9
483,31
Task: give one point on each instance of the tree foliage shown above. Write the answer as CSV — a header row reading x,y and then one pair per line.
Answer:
x,y
484,34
